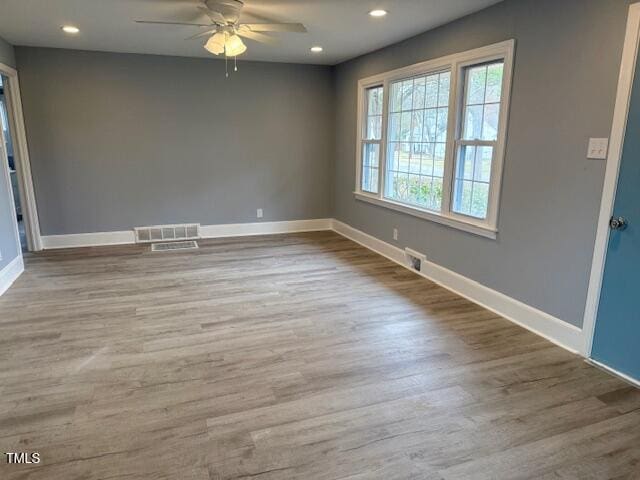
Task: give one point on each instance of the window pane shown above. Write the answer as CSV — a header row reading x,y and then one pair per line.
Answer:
x,y
414,189
494,82
418,93
416,126
438,160
473,122
394,127
407,95
472,180
482,101
490,121
370,164
483,164
375,101
423,190
403,157
476,85
435,195
396,97
461,197
441,125
463,191
415,158
405,126
374,180
427,159
3,118
398,186
467,163
373,125
370,155
430,124
417,140
443,91
432,91
393,156
479,200
374,128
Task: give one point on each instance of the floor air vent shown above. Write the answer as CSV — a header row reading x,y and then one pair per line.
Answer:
x,y
173,246
415,260
160,233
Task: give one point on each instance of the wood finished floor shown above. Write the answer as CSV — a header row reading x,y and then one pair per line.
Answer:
x,y
288,357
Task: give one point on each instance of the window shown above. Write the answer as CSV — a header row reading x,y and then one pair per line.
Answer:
x,y
475,148
417,138
372,139
436,131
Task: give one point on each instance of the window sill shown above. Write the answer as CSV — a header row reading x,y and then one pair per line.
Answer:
x,y
470,227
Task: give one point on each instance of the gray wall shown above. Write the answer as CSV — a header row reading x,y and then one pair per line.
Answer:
x,y
566,67
118,140
7,54
8,247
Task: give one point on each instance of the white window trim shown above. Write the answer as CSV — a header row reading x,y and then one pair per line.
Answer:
x,y
456,64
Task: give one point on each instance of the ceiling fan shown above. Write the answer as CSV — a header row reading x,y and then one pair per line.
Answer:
x,y
224,28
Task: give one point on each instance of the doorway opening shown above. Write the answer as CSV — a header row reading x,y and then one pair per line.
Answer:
x,y
7,135
16,165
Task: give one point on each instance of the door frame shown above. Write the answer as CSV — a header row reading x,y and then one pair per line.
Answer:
x,y
614,157
21,159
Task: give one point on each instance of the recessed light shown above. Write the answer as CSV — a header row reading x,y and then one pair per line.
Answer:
x,y
317,49
378,13
70,29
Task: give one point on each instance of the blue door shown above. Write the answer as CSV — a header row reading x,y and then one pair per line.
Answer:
x,y
617,335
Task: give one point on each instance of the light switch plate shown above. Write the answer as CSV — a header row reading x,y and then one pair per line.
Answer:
x,y
598,148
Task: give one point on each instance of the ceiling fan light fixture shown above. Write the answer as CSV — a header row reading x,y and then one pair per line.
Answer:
x,y
235,46
317,49
216,43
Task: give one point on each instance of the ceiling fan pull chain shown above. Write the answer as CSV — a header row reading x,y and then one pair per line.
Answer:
x,y
235,64
226,68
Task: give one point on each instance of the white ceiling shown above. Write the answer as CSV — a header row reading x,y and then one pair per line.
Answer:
x,y
342,27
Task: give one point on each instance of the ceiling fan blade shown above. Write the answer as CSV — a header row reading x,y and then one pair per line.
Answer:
x,y
258,37
276,27
216,17
152,22
202,34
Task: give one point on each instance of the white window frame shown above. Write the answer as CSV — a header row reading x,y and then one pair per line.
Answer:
x,y
456,63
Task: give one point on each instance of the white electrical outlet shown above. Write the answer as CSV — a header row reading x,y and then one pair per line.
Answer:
x,y
259,213
598,148
395,234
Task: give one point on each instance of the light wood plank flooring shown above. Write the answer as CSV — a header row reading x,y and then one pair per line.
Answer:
x,y
288,357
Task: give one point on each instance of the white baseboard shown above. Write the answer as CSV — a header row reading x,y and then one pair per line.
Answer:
x,y
264,228
10,273
633,381
553,329
97,239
